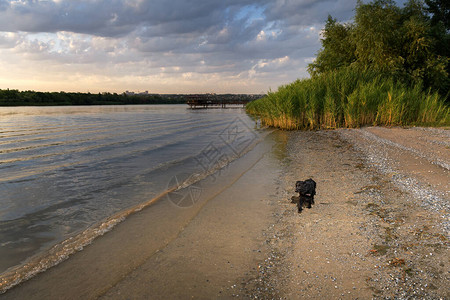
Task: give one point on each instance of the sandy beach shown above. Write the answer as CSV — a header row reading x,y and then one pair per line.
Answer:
x,y
379,228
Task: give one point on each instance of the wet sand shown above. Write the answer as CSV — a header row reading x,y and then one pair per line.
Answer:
x,y
379,228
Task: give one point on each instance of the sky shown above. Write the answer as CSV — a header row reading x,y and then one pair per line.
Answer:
x,y
161,46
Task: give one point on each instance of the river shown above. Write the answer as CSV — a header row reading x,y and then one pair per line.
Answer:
x,y
64,170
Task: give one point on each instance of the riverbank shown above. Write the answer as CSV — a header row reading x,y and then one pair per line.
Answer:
x,y
379,228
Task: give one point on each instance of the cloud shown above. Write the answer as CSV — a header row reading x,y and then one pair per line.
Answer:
x,y
306,12
167,46
115,17
9,39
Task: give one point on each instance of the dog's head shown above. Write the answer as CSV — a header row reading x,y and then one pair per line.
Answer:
x,y
307,187
299,186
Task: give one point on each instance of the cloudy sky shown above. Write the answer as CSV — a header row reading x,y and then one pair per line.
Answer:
x,y
163,46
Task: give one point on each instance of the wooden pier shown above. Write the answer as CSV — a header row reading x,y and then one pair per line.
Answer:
x,y
217,101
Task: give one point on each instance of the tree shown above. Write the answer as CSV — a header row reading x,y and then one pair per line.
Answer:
x,y
338,49
377,36
440,11
401,43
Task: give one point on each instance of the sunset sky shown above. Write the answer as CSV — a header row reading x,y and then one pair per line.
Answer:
x,y
162,46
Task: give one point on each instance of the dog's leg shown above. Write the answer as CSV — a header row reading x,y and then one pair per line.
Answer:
x,y
309,200
312,199
300,203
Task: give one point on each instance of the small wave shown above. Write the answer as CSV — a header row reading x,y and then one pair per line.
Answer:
x,y
79,149
14,242
220,164
60,252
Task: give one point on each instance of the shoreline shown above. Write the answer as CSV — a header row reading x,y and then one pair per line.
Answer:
x,y
379,228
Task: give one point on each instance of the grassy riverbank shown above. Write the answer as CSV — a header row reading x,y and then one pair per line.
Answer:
x,y
349,98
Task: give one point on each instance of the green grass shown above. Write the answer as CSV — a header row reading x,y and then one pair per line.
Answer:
x,y
349,98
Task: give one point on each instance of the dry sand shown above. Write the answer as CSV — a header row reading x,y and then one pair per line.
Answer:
x,y
379,228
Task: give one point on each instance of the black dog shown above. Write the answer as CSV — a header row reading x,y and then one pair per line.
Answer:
x,y
306,190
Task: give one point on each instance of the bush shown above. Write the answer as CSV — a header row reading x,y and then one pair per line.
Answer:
x,y
349,97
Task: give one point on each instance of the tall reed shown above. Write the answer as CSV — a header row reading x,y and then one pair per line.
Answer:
x,y
349,98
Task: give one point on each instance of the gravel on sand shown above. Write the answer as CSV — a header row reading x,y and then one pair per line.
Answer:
x,y
379,228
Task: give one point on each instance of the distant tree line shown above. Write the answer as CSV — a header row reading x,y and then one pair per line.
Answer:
x,y
410,44
10,97
17,98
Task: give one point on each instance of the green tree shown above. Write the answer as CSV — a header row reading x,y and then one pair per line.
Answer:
x,y
422,48
338,49
399,43
377,36
440,11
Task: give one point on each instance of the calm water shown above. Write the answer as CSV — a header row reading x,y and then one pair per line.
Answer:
x,y
64,169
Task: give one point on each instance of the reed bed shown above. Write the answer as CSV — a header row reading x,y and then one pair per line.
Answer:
x,y
349,98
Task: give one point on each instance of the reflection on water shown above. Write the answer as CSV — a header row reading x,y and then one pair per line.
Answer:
x,y
63,169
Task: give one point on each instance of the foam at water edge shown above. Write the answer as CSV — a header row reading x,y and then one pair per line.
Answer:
x,y
55,255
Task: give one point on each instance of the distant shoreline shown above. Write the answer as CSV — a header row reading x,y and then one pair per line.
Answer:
x,y
32,98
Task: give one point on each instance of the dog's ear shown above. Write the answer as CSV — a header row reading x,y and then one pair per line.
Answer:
x,y
298,185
